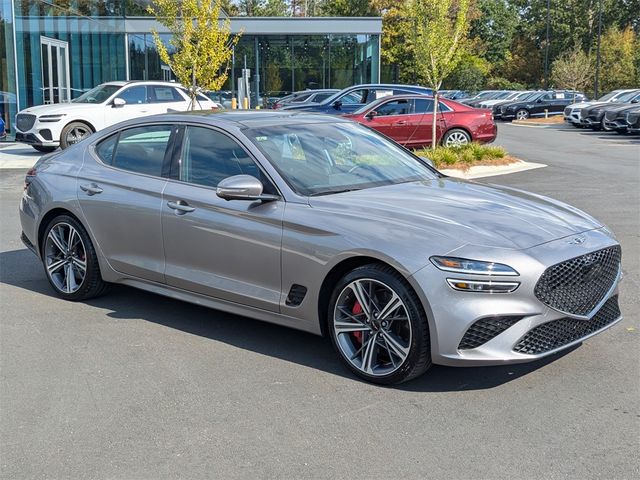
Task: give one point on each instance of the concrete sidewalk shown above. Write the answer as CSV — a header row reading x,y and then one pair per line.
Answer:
x,y
17,155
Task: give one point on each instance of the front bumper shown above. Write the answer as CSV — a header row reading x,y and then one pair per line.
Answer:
x,y
455,312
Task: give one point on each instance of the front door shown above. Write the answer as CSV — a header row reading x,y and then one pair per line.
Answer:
x,y
120,190
224,249
423,132
55,70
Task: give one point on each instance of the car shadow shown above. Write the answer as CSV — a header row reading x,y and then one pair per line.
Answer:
x,y
20,268
23,151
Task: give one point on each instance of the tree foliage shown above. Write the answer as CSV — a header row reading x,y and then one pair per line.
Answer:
x,y
618,51
202,42
572,69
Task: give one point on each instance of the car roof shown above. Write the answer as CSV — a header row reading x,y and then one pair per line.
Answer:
x,y
122,83
251,118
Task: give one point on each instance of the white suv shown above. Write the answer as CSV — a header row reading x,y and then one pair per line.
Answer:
x,y
572,112
45,127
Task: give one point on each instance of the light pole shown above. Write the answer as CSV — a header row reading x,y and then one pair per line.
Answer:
x,y
546,48
595,85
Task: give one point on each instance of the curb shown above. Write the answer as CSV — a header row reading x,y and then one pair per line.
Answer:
x,y
492,171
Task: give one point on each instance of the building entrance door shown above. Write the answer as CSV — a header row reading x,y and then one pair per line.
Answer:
x,y
55,70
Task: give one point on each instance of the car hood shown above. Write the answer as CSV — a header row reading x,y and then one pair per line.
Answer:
x,y
581,105
465,212
60,108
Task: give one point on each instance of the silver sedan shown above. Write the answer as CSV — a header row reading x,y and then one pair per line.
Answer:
x,y
321,224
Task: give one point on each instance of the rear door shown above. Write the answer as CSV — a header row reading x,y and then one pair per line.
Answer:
x,y
120,189
229,250
423,132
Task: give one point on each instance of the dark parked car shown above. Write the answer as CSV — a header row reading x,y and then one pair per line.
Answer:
x,y
550,102
616,118
633,121
454,94
305,97
408,119
593,116
352,98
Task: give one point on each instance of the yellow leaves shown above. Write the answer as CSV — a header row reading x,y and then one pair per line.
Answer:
x,y
202,41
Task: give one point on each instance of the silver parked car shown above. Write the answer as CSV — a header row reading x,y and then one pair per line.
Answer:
x,y
320,224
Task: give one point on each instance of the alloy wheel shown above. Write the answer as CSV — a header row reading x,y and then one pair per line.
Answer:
x,y
522,115
456,139
65,258
76,134
372,328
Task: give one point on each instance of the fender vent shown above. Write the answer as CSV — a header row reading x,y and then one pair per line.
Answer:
x,y
296,295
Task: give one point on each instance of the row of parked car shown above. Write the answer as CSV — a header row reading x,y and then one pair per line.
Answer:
x,y
617,111
401,112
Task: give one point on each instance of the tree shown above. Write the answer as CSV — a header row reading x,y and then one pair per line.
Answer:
x,y
348,8
263,8
572,70
618,50
441,28
202,42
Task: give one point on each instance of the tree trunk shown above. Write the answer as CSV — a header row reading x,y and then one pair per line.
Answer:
x,y
192,91
434,139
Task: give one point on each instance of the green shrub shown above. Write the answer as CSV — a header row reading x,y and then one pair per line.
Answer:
x,y
464,154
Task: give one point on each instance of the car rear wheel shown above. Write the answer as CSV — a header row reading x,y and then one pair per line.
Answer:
x,y
378,327
456,138
43,149
522,114
73,133
70,260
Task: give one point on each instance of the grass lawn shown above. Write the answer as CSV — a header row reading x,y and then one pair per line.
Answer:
x,y
466,156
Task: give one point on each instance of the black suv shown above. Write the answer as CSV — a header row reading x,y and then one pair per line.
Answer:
x,y
594,115
550,102
633,122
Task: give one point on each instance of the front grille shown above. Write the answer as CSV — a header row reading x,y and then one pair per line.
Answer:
x,y
25,121
484,330
567,111
610,116
557,333
578,285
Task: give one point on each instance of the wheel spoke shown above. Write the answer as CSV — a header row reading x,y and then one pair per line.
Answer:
x,y
368,354
55,266
71,238
346,327
352,316
82,265
395,346
361,296
57,241
391,306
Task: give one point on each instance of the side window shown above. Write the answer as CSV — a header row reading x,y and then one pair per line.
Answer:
x,y
162,94
142,149
423,105
394,107
105,149
209,156
357,96
548,97
134,95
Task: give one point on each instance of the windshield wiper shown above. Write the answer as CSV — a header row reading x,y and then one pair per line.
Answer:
x,y
331,192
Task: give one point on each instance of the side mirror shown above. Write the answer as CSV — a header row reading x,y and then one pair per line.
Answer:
x,y
428,161
337,104
539,100
119,102
635,100
242,187
371,114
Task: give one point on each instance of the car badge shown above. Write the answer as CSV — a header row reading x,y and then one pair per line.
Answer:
x,y
579,240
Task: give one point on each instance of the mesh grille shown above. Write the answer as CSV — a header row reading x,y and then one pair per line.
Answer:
x,y
296,295
567,111
555,334
610,115
25,121
484,330
578,285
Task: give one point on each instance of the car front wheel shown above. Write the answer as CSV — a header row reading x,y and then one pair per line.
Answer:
x,y
43,149
70,260
73,133
378,327
522,114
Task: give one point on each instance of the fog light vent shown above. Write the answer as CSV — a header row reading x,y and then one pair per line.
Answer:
x,y
484,330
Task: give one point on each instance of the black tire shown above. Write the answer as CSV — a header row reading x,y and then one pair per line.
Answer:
x,y
73,133
456,133
604,127
43,149
418,359
522,114
92,285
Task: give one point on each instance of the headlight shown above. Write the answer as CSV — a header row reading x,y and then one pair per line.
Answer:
x,y
51,118
482,286
472,267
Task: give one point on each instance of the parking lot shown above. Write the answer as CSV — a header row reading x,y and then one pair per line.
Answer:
x,y
133,385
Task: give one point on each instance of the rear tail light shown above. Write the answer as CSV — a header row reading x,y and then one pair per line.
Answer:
x,y
31,174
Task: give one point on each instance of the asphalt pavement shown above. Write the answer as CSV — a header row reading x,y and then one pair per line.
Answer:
x,y
138,386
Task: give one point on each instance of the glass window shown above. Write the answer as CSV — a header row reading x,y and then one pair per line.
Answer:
x,y
105,149
321,97
357,96
162,94
423,105
394,107
327,158
142,149
98,94
134,95
209,156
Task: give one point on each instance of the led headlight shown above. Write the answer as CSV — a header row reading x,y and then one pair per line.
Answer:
x,y
52,118
472,267
482,286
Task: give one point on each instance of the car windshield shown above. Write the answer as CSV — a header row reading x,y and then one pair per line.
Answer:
x,y
525,95
608,96
326,158
98,94
627,97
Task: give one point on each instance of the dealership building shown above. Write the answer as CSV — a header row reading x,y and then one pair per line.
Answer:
x,y
51,50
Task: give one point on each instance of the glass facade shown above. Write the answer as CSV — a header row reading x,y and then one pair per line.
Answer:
x,y
65,47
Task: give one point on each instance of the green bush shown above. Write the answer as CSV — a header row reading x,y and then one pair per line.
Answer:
x,y
465,154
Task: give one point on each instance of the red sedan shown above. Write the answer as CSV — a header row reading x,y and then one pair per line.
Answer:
x,y
408,119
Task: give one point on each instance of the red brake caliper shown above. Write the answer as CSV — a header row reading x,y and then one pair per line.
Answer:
x,y
356,310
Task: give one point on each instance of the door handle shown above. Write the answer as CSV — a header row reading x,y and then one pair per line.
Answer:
x,y
400,122
180,207
91,189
